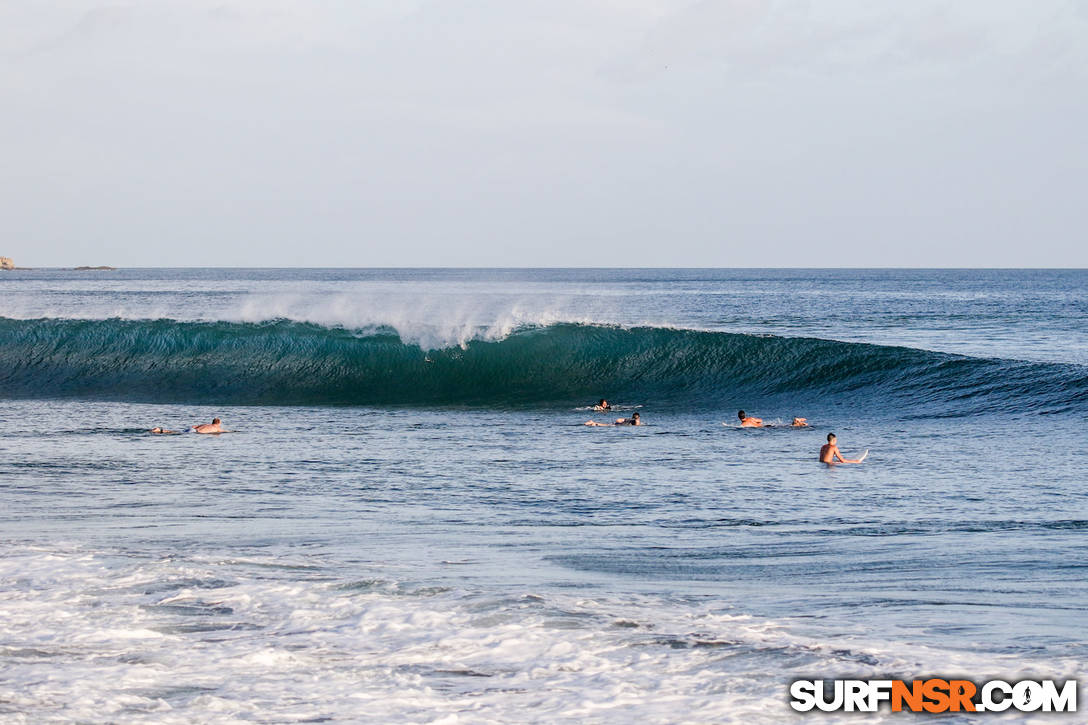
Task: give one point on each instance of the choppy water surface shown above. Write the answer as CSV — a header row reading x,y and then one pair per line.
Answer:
x,y
412,524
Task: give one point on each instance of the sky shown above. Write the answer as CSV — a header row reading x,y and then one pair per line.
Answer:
x,y
616,133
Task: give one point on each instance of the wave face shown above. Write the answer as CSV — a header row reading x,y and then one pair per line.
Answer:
x,y
291,363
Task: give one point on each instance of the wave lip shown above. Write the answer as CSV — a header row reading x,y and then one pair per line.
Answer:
x,y
293,363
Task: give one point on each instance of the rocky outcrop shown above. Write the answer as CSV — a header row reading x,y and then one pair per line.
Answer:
x,y
102,268
7,263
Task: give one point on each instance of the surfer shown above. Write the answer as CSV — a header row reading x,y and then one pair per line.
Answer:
x,y
213,427
635,419
830,451
602,405
163,431
748,421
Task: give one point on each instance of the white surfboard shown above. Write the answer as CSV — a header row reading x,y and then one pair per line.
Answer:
x,y
863,455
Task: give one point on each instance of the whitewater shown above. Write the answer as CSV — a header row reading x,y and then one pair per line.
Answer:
x,y
411,523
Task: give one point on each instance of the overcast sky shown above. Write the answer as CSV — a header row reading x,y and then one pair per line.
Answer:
x,y
544,133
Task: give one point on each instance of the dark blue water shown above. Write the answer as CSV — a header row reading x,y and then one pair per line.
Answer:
x,y
412,522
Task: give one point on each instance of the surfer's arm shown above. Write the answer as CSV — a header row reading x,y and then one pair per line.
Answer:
x,y
838,455
835,454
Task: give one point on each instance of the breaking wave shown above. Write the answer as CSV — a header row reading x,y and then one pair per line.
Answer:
x,y
293,363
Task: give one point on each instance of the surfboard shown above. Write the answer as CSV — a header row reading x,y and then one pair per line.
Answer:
x,y
863,455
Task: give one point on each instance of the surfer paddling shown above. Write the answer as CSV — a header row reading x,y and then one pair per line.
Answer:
x,y
829,452
208,428
602,405
214,427
750,421
635,419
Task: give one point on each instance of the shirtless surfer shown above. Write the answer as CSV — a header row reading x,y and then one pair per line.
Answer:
x,y
213,427
830,451
635,419
749,421
602,405
163,431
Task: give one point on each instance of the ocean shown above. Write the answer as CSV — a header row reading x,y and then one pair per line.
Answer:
x,y
410,521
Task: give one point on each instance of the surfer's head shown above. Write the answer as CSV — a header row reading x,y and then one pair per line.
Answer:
x,y
830,437
635,416
603,403
215,421
741,415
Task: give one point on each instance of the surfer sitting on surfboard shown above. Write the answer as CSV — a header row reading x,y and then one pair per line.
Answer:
x,y
830,451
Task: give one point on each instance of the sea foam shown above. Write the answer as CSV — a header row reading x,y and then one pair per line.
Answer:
x,y
101,635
